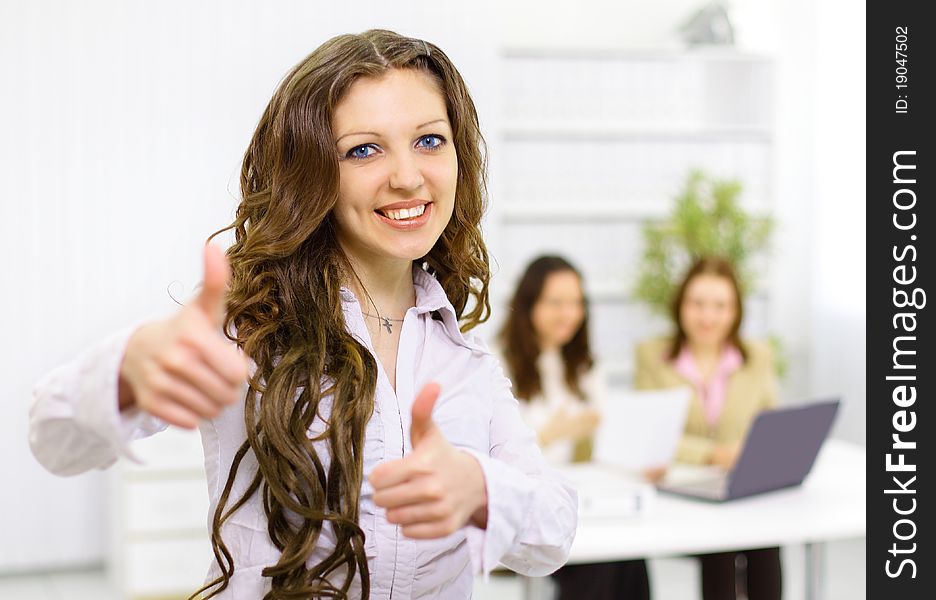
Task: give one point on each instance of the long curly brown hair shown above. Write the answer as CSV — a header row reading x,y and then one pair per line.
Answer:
x,y
519,339
284,308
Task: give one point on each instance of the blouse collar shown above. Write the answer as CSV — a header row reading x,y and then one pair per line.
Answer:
x,y
430,297
728,362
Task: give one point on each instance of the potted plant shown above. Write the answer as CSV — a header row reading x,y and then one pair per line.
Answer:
x,y
707,220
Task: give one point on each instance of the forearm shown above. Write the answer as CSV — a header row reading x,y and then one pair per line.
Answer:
x,y
75,423
531,518
695,449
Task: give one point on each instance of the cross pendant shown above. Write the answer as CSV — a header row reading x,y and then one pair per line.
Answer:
x,y
388,325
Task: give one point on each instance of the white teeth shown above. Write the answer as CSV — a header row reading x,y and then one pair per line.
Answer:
x,y
405,213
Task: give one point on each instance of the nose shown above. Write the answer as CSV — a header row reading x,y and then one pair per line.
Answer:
x,y
405,173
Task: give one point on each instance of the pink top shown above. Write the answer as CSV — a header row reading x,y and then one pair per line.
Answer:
x,y
712,392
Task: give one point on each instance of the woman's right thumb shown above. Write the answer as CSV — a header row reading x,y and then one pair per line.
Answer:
x,y
217,274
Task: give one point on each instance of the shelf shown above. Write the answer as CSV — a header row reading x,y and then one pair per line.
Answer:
x,y
617,292
135,473
601,292
618,368
591,212
668,53
580,211
197,533
610,291
563,130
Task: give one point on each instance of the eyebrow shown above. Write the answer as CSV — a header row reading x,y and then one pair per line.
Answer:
x,y
426,124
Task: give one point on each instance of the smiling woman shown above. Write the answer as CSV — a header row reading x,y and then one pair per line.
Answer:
x,y
361,459
732,381
545,344
398,171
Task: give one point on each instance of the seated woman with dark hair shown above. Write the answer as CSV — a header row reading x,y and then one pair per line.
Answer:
x,y
545,348
733,380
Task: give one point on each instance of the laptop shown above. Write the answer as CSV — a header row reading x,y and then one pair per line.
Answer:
x,y
779,451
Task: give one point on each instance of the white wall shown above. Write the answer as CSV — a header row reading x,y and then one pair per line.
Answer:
x,y
123,124
838,317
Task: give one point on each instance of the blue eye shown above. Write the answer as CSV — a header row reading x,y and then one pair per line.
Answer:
x,y
429,142
434,142
361,152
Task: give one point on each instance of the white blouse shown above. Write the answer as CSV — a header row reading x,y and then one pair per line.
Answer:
x,y
532,513
556,396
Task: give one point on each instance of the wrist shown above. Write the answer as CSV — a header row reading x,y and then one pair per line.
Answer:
x,y
479,518
479,500
548,435
125,399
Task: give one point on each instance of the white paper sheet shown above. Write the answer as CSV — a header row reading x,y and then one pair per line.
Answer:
x,y
641,429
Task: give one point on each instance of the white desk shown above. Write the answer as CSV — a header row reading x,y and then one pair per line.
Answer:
x,y
829,505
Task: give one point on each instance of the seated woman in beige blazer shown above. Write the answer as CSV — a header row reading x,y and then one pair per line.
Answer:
x,y
733,380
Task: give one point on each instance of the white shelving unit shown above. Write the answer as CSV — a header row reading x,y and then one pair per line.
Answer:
x,y
595,143
159,526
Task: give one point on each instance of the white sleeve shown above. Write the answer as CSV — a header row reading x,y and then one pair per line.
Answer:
x,y
74,422
534,414
532,510
595,384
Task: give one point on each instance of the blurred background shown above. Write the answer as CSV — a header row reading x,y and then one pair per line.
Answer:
x,y
125,121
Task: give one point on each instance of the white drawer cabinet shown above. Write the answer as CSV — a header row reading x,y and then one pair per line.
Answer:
x,y
159,525
173,449
165,505
165,568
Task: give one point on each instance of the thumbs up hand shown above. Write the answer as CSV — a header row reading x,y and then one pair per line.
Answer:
x,y
182,369
436,489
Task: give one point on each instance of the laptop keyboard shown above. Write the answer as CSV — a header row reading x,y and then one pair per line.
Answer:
x,y
710,487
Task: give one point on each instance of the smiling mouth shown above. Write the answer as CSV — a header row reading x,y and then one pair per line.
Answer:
x,y
403,214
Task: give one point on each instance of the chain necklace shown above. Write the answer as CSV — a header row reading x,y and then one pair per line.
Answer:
x,y
387,322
